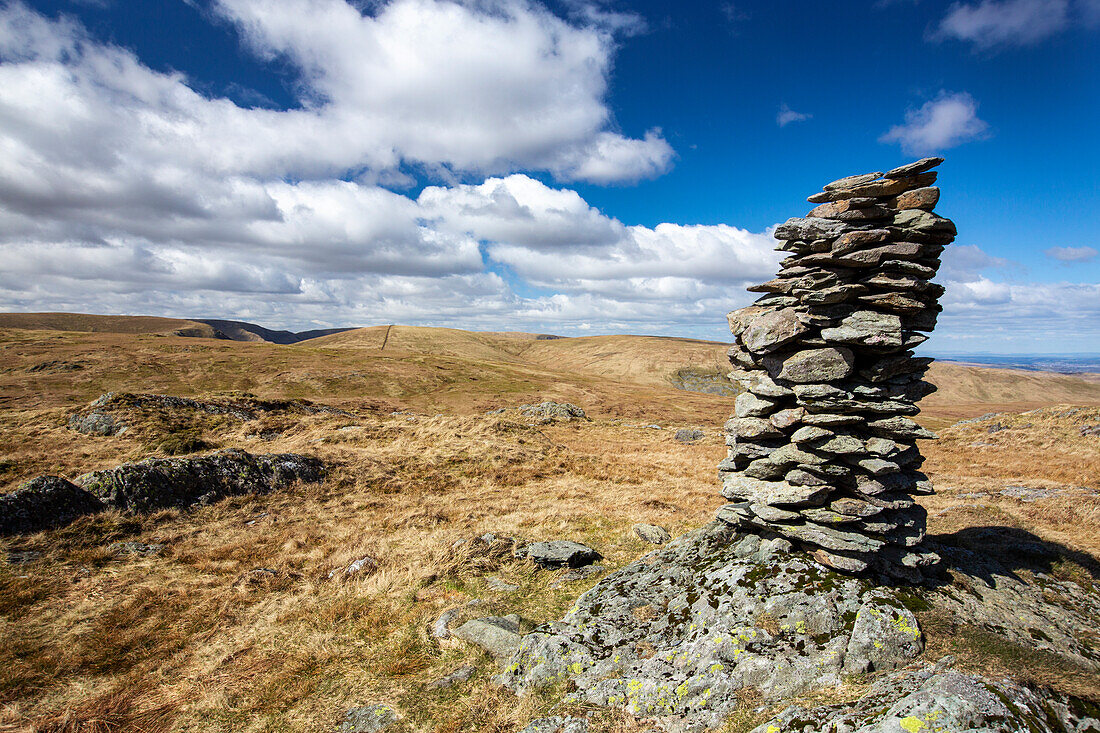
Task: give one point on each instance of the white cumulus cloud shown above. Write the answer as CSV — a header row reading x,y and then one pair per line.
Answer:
x,y
944,122
996,22
1072,254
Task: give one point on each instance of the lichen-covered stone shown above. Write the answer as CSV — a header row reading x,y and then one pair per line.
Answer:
x,y
43,503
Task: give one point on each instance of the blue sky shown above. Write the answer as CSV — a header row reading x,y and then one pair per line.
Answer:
x,y
572,167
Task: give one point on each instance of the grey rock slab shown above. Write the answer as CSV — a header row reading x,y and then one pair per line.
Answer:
x,y
675,636
938,698
769,331
498,635
368,719
689,435
787,418
749,405
817,365
163,483
883,637
97,423
752,428
914,168
866,328
809,229
651,533
555,554
781,493
740,318
45,502
849,181
553,412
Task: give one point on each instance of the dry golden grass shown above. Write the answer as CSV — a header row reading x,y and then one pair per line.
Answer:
x,y
236,624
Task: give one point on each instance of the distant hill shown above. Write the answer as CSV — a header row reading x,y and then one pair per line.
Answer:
x,y
88,323
631,361
242,331
192,327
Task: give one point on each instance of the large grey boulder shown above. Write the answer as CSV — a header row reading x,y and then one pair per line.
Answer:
x,y
554,554
368,719
43,503
163,483
937,698
498,635
97,423
548,412
681,634
652,533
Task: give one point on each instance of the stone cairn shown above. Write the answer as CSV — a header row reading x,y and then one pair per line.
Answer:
x,y
822,449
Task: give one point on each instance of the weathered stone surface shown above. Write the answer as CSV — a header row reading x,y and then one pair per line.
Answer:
x,y
554,554
779,493
652,533
769,331
918,198
368,719
868,328
163,483
752,428
912,169
678,636
553,412
740,318
689,435
936,698
43,503
95,422
809,228
817,365
498,635
786,418
749,405
849,181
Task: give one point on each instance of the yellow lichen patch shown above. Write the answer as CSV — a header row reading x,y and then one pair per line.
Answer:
x,y
912,724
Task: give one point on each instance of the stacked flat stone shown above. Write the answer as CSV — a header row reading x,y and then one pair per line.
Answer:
x,y
822,448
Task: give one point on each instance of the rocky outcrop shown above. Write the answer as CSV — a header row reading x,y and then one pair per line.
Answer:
x,y
937,698
103,416
681,632
548,412
43,503
822,445
690,633
155,483
165,483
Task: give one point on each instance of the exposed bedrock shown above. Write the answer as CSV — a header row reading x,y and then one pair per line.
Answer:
x,y
822,447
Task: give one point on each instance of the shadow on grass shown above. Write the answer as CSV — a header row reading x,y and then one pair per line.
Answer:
x,y
985,552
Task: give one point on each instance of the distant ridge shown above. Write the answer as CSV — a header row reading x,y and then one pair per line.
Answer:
x,y
215,328
243,331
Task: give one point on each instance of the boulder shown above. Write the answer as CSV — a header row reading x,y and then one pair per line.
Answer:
x,y
44,503
498,635
689,435
97,423
368,719
652,533
553,412
164,483
554,554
